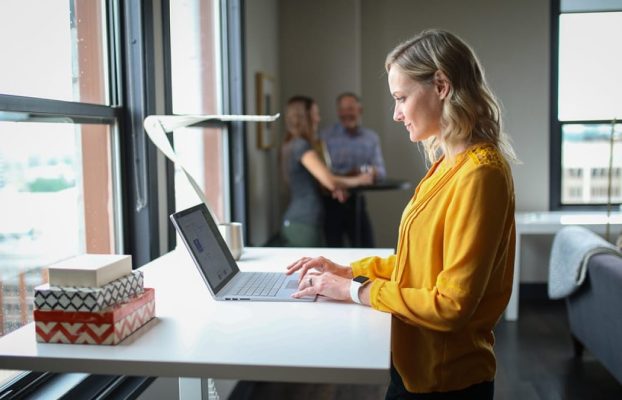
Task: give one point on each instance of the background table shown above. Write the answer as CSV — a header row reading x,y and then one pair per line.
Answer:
x,y
196,336
358,191
549,222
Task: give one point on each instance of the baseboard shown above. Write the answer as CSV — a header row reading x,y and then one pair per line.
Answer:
x,y
534,292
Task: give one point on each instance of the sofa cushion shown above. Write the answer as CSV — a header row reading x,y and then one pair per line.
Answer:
x,y
595,312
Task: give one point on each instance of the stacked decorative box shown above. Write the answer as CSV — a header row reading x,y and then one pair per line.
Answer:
x,y
92,299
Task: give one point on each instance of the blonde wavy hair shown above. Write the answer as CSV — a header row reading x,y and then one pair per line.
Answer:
x,y
471,112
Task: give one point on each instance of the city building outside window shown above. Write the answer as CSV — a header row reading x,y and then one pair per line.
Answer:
x,y
586,100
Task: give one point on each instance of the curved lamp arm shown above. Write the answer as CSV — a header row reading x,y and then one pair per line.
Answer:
x,y
172,122
157,126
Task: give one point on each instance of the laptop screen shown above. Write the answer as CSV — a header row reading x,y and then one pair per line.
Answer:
x,y
210,252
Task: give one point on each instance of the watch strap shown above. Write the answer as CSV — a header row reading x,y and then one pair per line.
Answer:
x,y
355,288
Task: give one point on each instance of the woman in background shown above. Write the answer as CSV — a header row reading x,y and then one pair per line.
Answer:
x,y
304,171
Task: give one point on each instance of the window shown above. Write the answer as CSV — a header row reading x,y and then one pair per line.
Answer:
x,y
59,183
61,48
72,130
196,73
586,89
56,191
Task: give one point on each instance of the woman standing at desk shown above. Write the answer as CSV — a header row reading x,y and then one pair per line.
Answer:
x,y
303,168
451,278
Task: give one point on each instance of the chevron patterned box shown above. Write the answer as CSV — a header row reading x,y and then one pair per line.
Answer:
x,y
91,299
109,327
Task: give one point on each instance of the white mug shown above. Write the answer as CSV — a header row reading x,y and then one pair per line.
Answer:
x,y
232,234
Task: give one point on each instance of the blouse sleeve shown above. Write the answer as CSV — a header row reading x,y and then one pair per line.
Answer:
x,y
473,239
374,267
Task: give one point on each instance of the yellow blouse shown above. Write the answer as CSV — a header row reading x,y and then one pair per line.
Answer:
x,y
451,278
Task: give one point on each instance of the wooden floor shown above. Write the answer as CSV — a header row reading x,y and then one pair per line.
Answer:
x,y
534,356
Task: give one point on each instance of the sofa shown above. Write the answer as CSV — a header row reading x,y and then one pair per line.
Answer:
x,y
595,312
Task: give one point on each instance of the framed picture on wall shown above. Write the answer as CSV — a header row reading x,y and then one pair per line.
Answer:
x,y
266,105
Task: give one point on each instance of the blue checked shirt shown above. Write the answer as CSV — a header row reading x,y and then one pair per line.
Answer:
x,y
348,152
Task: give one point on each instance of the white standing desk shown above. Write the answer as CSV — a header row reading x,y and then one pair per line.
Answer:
x,y
543,223
196,336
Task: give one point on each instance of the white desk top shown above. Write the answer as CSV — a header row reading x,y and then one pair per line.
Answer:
x,y
552,221
195,336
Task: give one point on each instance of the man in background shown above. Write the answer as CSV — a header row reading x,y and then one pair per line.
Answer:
x,y
351,149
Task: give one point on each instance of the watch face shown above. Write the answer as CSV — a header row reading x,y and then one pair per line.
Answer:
x,y
360,279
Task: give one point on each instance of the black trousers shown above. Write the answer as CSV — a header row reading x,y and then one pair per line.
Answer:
x,y
479,391
342,222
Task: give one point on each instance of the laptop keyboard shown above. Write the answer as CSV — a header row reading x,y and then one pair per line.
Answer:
x,y
263,284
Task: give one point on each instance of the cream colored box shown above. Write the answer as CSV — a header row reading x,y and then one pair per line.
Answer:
x,y
90,270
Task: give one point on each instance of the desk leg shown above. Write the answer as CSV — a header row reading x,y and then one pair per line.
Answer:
x,y
357,219
511,312
360,239
197,389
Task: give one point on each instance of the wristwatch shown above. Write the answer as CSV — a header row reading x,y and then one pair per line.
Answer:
x,y
357,283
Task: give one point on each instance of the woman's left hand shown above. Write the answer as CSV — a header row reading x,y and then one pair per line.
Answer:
x,y
341,195
325,284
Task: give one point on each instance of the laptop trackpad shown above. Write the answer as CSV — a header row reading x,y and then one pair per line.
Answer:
x,y
292,284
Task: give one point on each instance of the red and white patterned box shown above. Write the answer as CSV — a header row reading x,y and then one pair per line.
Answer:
x,y
107,327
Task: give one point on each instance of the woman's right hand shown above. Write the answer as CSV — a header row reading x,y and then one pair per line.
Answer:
x,y
366,178
319,264
341,195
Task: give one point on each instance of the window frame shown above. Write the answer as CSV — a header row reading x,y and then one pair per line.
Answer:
x,y
132,94
233,93
233,101
113,115
139,156
51,110
556,126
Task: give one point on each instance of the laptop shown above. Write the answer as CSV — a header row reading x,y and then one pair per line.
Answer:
x,y
219,270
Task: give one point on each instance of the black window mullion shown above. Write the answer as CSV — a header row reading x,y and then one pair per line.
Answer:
x,y
34,107
232,22
168,110
555,142
587,122
139,172
113,21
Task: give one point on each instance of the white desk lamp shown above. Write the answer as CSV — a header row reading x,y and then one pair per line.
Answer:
x,y
157,126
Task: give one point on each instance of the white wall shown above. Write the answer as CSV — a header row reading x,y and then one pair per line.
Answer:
x,y
262,44
320,50
285,40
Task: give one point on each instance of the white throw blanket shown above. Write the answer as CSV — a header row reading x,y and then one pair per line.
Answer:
x,y
572,249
